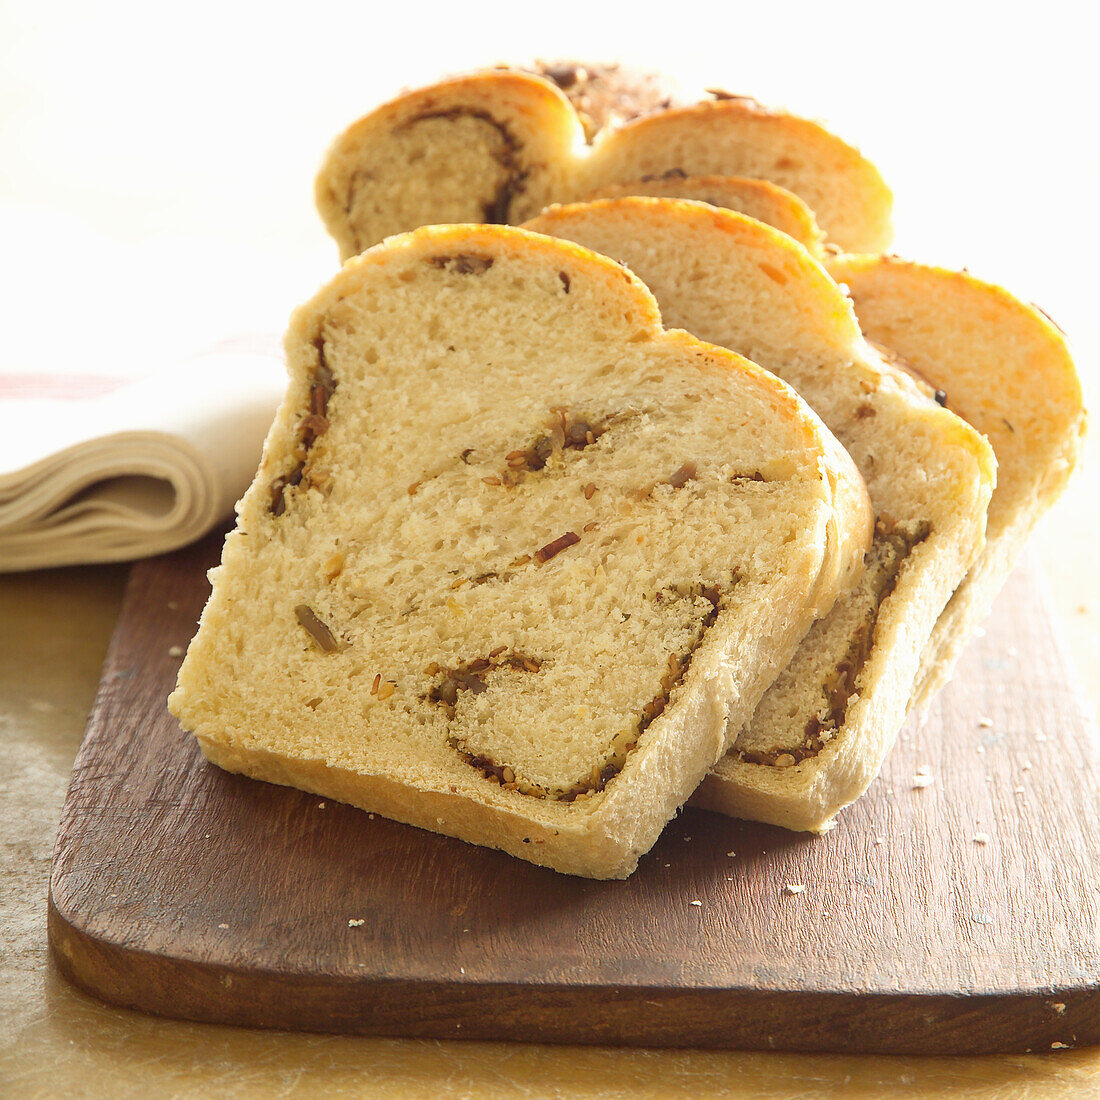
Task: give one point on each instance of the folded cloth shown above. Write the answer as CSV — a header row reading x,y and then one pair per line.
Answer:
x,y
97,469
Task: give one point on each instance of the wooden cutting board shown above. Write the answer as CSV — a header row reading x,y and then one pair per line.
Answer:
x,y
961,916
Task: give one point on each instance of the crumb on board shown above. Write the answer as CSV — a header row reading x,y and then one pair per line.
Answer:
x,y
794,888
223,925
175,651
921,780
1059,1046
696,902
731,854
1058,1008
985,722
356,922
981,838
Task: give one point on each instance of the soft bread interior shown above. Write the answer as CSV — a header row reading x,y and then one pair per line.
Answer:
x,y
514,544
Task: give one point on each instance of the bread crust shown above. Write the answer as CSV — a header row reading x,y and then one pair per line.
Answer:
x,y
757,198
673,244
1005,368
601,836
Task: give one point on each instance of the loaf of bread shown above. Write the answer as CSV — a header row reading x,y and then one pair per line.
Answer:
x,y
517,560
498,146
823,729
1005,368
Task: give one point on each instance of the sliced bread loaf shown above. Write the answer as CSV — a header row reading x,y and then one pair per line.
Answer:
x,y
514,554
821,732
1005,368
497,146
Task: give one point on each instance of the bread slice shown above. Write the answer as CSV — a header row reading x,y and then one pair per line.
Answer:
x,y
1005,368
766,202
498,146
493,147
514,552
821,732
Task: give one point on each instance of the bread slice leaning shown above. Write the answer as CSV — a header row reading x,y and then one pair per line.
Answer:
x,y
1005,368
498,146
766,202
821,732
514,553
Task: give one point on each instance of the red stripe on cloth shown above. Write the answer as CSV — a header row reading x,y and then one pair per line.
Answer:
x,y
59,387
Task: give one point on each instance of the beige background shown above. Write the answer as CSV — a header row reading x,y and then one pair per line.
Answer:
x,y
155,198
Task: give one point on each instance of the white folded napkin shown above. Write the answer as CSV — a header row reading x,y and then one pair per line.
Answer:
x,y
100,469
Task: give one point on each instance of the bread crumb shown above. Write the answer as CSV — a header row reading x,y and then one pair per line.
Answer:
x,y
462,970
687,838
981,838
1059,1046
1017,790
226,926
356,923
731,853
1040,738
920,781
1058,1008
370,817
985,722
696,903
320,805
175,651
1025,766
794,888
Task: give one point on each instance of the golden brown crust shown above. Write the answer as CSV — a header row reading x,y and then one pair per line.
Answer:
x,y
760,199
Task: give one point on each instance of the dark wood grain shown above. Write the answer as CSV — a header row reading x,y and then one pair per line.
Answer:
x,y
183,890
